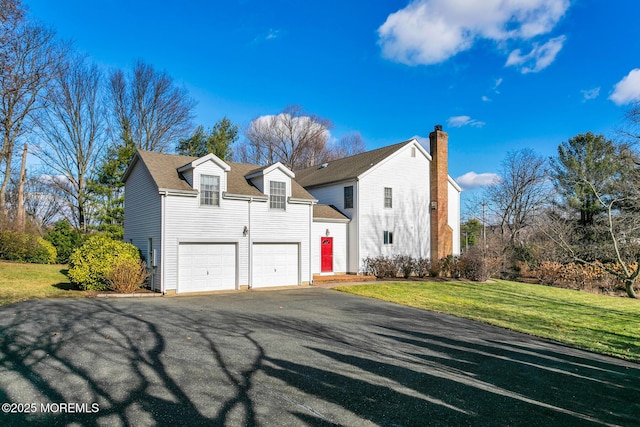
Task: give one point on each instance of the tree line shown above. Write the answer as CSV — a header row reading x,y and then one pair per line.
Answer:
x,y
85,124
581,205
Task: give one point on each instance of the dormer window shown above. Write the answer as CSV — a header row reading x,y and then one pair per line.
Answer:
x,y
210,190
277,195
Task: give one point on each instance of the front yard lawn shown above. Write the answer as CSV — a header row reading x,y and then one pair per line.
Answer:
x,y
604,324
19,282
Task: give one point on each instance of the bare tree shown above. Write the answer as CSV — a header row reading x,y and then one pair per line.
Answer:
x,y
29,56
71,134
148,109
521,193
349,145
632,124
293,137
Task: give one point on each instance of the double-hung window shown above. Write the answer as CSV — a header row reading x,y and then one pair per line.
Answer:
x,y
277,195
348,197
210,190
388,199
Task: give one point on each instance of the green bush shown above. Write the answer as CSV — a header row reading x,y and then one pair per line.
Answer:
x,y
44,253
25,247
65,239
91,263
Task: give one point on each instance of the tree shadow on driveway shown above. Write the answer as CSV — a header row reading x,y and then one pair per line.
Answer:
x,y
301,357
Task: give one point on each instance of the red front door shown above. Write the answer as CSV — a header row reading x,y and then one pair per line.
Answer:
x,y
326,254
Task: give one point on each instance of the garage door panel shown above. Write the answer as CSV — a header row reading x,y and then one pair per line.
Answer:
x,y
275,264
207,267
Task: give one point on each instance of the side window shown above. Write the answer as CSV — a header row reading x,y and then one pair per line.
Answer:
x,y
348,197
388,198
210,190
277,195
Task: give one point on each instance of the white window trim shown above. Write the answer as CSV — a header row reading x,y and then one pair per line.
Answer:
x,y
216,193
389,199
283,196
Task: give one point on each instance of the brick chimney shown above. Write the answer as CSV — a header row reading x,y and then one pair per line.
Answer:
x,y
441,232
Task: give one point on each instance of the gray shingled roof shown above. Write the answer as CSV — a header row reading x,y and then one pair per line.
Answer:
x,y
327,212
164,172
345,168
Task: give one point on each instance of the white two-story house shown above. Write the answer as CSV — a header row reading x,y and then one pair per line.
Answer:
x,y
204,224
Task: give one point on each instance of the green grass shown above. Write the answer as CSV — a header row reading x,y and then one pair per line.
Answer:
x,y
604,324
20,282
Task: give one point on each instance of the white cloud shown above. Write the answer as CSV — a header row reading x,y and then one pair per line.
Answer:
x,y
472,180
486,98
432,31
539,58
588,94
627,90
460,121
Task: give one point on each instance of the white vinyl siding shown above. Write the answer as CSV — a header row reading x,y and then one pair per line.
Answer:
x,y
210,190
454,216
277,195
339,232
142,216
409,219
334,195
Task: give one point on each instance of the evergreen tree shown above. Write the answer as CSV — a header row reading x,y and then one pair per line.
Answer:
x,y
583,168
108,189
217,141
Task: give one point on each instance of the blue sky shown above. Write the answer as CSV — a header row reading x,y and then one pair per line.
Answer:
x,y
499,75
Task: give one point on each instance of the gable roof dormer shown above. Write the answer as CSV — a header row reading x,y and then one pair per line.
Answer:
x,y
200,160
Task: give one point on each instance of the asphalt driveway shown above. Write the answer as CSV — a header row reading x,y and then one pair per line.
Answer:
x,y
292,357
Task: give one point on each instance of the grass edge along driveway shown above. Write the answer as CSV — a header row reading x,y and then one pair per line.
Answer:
x,y
603,324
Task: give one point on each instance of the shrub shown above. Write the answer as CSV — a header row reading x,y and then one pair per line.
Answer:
x,y
473,265
548,272
449,266
404,265
421,266
127,275
65,239
44,253
25,247
380,266
91,263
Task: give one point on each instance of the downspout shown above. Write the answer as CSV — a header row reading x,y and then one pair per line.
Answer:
x,y
309,244
163,243
249,248
358,226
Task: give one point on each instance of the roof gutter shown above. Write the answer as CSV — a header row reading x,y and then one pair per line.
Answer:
x,y
230,196
302,201
171,192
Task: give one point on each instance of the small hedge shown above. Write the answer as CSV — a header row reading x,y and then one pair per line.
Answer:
x,y
94,261
471,265
25,247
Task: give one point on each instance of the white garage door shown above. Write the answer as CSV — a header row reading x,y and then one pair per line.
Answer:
x,y
275,264
207,267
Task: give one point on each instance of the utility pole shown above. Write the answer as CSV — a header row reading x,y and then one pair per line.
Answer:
x,y
484,227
